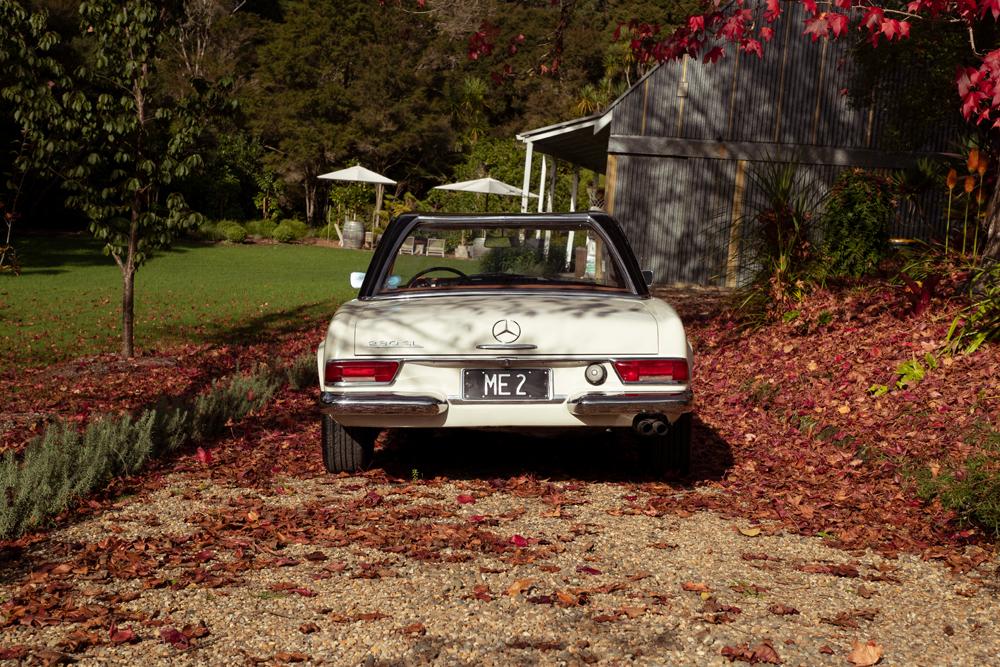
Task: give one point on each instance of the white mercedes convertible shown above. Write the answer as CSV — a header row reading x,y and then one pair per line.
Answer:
x,y
518,322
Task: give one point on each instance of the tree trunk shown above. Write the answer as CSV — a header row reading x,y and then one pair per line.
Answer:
x,y
310,199
128,283
128,312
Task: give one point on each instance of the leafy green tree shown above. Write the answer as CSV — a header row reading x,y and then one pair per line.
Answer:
x,y
121,143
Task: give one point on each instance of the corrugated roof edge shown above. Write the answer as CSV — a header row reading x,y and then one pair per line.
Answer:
x,y
600,119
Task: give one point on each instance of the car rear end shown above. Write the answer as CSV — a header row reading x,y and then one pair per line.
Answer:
x,y
551,325
592,362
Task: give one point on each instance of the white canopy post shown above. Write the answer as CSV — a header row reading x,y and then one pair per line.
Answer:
x,y
548,207
574,190
541,186
552,184
526,183
379,194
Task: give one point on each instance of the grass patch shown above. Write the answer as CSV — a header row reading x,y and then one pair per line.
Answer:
x,y
66,302
65,464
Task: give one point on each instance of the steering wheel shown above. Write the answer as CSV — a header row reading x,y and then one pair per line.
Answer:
x,y
420,274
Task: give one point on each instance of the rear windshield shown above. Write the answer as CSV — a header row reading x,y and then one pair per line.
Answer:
x,y
456,256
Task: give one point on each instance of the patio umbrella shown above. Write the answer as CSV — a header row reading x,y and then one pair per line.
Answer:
x,y
488,186
359,174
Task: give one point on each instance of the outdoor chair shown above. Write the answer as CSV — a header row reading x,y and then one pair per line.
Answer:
x,y
435,248
408,245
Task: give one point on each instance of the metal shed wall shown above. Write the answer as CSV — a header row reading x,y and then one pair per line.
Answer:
x,y
679,136
794,95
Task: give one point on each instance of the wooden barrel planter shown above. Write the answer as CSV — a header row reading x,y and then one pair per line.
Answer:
x,y
354,234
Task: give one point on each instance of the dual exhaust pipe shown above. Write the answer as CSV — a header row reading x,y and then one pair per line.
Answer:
x,y
651,425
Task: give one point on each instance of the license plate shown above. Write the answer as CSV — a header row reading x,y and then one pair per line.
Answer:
x,y
505,384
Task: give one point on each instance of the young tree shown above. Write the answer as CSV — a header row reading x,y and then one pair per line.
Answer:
x,y
120,143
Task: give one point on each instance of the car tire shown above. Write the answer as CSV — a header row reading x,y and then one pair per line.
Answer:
x,y
347,448
672,452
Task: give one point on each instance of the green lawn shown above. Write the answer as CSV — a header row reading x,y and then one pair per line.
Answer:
x,y
66,303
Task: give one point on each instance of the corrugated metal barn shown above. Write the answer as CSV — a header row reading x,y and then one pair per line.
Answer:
x,y
679,149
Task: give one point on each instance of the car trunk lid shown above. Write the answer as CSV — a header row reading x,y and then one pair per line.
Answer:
x,y
460,325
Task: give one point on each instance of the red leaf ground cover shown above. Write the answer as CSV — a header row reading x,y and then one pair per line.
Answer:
x,y
810,446
786,429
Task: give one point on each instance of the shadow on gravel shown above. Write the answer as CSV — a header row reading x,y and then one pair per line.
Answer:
x,y
610,456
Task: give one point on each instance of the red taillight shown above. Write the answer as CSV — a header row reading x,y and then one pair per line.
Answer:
x,y
652,370
360,371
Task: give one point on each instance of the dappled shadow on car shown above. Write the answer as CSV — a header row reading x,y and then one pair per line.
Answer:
x,y
616,455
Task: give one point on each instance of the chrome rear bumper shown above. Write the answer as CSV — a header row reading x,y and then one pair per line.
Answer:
x,y
334,404
623,403
592,404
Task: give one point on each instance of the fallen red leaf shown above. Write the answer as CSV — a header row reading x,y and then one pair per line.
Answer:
x,y
465,499
121,635
175,638
761,653
865,654
782,610
695,587
415,629
204,457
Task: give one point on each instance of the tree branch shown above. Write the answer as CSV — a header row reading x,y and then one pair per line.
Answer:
x,y
972,42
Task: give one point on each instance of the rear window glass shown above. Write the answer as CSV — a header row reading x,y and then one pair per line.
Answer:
x,y
457,256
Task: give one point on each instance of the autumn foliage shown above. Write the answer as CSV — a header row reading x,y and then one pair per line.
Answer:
x,y
748,26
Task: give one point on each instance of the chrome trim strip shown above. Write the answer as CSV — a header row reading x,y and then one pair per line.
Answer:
x,y
337,403
591,294
565,359
555,400
507,346
623,403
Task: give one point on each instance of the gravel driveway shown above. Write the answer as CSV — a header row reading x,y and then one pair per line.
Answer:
x,y
480,570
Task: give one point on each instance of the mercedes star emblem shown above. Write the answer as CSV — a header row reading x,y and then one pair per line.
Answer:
x,y
506,331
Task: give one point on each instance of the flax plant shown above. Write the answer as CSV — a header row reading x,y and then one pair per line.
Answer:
x,y
970,185
951,181
980,199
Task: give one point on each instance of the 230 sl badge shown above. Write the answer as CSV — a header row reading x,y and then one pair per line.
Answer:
x,y
394,343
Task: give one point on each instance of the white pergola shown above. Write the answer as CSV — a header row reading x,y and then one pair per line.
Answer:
x,y
582,142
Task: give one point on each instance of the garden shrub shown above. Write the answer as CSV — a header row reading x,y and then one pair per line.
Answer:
x,y
523,260
971,490
233,232
855,224
290,230
328,232
261,228
211,231
302,372
979,322
780,228
65,464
